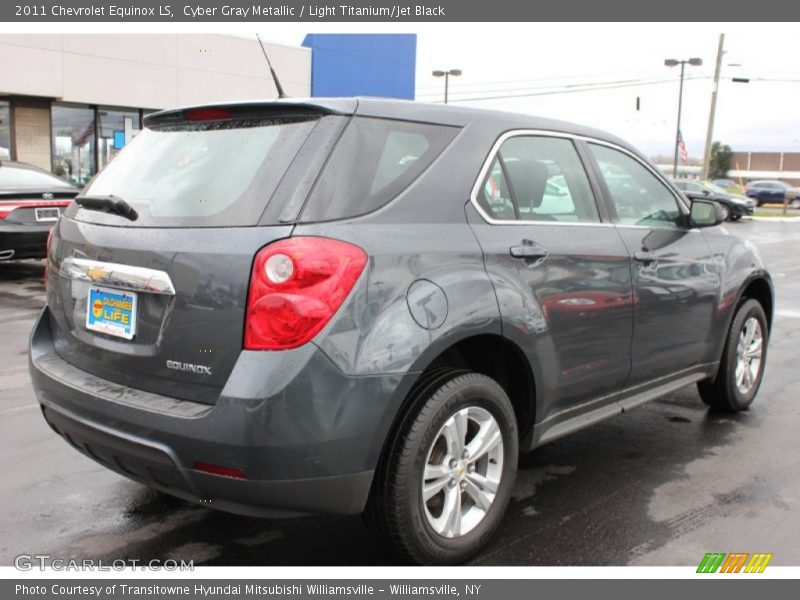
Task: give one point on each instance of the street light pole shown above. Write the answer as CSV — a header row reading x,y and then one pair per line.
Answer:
x,y
710,130
671,62
446,75
678,130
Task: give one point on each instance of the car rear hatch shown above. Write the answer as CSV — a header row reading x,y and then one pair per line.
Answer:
x,y
158,302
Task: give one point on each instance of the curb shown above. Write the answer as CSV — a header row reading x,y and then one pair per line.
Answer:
x,y
777,219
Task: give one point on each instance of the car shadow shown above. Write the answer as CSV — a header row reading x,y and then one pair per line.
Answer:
x,y
582,500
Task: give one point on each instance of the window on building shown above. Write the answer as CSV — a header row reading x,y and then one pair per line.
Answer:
x,y
5,130
112,124
73,142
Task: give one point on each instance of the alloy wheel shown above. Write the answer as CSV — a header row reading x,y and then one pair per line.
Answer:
x,y
462,472
748,355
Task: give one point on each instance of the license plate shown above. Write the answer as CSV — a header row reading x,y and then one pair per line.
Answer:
x,y
46,214
112,312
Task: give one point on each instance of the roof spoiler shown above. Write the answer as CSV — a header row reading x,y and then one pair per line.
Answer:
x,y
247,110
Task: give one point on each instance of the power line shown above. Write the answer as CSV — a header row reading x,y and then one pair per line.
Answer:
x,y
574,90
549,78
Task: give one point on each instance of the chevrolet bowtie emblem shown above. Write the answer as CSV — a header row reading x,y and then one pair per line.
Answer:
x,y
97,273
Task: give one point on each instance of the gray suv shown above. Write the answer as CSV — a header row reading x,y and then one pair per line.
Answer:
x,y
364,306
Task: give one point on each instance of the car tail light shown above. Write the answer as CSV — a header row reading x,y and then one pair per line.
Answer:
x,y
296,286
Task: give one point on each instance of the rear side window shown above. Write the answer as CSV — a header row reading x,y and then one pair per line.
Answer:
x,y
201,174
375,160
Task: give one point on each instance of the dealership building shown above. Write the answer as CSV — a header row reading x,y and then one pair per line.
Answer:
x,y
69,103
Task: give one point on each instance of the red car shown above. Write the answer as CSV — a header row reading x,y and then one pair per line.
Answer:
x,y
31,200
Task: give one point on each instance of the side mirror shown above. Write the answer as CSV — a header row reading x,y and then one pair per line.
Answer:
x,y
705,213
706,193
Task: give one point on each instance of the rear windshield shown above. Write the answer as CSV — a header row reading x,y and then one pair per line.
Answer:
x,y
201,174
375,160
13,177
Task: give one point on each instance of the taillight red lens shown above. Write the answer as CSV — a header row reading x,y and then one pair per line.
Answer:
x,y
296,286
211,113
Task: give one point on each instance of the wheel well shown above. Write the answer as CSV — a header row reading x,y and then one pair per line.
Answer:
x,y
500,359
760,290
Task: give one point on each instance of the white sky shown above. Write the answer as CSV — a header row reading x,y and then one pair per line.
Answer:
x,y
760,115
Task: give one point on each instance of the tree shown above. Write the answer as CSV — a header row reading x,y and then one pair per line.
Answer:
x,y
719,163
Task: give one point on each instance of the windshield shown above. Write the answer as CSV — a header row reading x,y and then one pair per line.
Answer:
x,y
201,174
15,177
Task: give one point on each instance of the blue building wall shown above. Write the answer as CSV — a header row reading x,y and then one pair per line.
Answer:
x,y
362,64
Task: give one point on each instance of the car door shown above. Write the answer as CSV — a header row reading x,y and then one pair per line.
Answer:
x,y
560,271
675,277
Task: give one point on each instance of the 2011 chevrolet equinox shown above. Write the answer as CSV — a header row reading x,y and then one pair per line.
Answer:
x,y
356,305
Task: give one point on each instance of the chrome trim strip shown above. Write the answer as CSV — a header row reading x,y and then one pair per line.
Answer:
x,y
559,134
126,277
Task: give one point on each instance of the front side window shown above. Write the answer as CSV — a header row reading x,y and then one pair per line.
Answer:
x,y
538,178
638,196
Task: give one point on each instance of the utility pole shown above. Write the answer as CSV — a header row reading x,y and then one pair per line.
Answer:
x,y
710,131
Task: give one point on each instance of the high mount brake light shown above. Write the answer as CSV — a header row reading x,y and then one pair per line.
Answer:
x,y
211,113
296,286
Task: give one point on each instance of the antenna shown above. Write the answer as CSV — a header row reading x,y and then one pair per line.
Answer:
x,y
281,94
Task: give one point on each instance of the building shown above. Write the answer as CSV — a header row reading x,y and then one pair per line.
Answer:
x,y
68,103
363,64
766,165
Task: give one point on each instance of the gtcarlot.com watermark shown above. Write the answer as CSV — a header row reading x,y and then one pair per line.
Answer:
x,y
29,562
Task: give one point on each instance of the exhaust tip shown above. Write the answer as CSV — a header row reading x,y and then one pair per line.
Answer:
x,y
6,254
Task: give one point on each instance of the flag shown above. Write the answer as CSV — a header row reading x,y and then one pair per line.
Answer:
x,y
682,149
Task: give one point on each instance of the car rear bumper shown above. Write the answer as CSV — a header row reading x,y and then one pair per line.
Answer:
x,y
26,241
309,447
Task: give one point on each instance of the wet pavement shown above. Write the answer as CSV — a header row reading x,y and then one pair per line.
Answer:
x,y
661,485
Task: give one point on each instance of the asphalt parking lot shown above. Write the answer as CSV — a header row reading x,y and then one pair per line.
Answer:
x,y
661,485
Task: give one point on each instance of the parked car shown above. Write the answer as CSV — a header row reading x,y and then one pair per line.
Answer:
x,y
31,200
733,207
730,186
764,191
358,305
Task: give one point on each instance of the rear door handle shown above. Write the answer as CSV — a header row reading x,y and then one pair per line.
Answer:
x,y
528,250
645,257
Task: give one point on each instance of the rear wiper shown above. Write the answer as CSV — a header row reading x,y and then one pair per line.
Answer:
x,y
108,204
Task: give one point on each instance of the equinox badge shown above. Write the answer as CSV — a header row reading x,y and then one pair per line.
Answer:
x,y
188,367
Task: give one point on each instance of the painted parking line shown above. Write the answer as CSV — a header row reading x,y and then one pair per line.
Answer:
x,y
792,314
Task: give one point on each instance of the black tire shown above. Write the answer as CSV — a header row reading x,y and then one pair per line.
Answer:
x,y
726,212
395,509
722,392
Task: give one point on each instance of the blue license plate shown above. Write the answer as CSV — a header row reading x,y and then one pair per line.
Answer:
x,y
112,312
